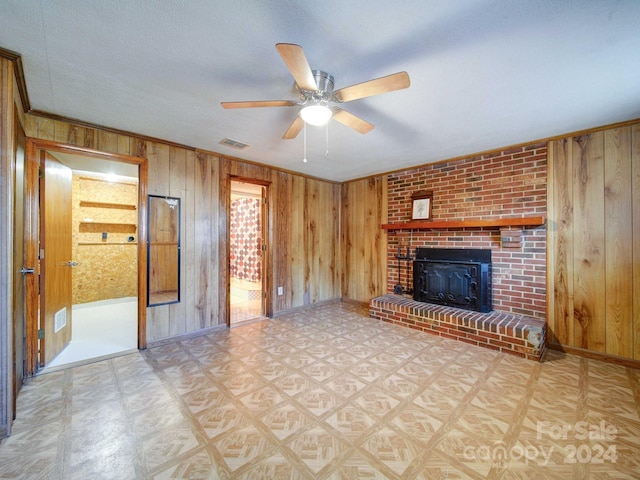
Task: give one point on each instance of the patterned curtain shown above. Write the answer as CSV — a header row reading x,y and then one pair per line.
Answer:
x,y
245,239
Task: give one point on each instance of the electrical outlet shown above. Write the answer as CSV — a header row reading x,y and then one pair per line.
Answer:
x,y
280,291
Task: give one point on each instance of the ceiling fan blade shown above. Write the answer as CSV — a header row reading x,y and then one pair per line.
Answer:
x,y
258,103
294,129
390,83
352,121
296,61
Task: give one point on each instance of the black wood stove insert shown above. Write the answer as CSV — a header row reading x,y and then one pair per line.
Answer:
x,y
456,277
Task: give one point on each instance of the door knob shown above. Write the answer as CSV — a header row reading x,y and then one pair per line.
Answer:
x,y
72,264
26,270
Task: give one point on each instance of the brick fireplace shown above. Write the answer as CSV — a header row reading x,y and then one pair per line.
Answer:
x,y
499,185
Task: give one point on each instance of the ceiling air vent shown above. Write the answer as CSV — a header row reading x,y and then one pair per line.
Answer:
x,y
230,142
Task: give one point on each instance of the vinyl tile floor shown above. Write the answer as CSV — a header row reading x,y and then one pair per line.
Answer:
x,y
246,301
327,393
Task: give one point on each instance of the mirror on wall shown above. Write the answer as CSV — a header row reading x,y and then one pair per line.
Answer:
x,y
163,251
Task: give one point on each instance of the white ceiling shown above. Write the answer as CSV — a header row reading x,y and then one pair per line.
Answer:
x,y
484,73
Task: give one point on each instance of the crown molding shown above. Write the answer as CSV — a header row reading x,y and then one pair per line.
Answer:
x,y
16,59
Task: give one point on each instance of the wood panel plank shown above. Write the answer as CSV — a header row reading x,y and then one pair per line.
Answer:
x,y
124,144
312,241
188,245
90,138
560,243
219,265
203,232
298,241
69,133
371,237
336,252
618,242
635,169
384,243
107,141
361,212
344,235
281,246
31,125
158,156
589,246
177,189
46,128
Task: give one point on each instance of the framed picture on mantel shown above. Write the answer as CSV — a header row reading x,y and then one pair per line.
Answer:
x,y
422,205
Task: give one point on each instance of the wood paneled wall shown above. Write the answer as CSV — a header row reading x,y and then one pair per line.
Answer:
x,y
6,240
11,120
304,255
364,209
594,241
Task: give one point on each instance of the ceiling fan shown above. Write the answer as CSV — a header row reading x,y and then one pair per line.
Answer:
x,y
318,99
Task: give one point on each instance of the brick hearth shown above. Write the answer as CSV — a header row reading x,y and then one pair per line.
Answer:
x,y
510,333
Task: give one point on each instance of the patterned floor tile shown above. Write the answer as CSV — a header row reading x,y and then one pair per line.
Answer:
x,y
197,466
150,421
242,446
299,360
276,467
316,448
203,398
376,401
173,442
319,400
477,455
393,449
293,384
345,386
368,372
342,360
262,399
417,422
386,360
357,466
286,420
490,425
351,421
219,419
399,386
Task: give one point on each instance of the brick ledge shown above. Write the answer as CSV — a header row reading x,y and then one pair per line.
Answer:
x,y
510,333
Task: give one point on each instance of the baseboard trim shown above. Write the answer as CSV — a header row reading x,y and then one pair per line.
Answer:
x,y
603,357
301,308
185,336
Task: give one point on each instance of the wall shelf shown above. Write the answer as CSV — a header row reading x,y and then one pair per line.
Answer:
x,y
121,206
97,227
533,221
106,243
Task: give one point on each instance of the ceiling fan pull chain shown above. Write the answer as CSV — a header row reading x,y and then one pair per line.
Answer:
x,y
326,140
304,136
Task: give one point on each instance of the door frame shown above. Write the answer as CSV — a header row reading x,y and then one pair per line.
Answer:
x,y
35,149
18,314
267,306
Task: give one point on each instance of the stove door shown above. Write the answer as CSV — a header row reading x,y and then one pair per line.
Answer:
x,y
445,283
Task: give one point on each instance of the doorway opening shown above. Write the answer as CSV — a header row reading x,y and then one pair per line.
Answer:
x,y
247,251
86,206
103,315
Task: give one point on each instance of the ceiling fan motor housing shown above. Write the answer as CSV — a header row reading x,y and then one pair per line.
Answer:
x,y
324,93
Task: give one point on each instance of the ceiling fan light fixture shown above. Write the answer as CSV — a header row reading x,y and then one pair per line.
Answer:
x,y
316,115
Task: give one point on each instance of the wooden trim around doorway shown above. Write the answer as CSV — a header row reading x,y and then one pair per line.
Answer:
x,y
34,146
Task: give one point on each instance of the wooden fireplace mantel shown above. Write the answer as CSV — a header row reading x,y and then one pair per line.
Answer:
x,y
533,221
